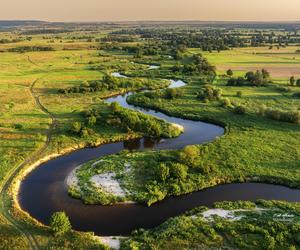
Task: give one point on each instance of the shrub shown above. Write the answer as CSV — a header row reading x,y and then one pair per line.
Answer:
x,y
229,72
280,115
239,94
262,109
189,155
18,126
91,120
258,78
296,95
292,80
60,223
163,172
236,81
239,110
225,102
232,205
209,93
76,127
173,93
139,122
179,171
283,89
115,107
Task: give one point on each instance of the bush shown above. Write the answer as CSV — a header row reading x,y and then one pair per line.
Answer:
x,y
209,93
173,93
283,89
232,205
189,155
225,102
139,122
239,94
258,78
280,115
60,223
229,72
18,126
296,95
236,81
179,171
76,127
239,110
163,172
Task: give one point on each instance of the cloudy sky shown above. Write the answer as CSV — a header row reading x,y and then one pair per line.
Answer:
x,y
120,10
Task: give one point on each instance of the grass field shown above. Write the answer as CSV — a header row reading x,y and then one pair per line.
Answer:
x,y
281,63
34,118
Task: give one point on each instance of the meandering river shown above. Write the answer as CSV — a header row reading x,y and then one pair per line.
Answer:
x,y
44,190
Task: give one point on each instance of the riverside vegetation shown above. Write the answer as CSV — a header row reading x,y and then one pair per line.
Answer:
x,y
68,72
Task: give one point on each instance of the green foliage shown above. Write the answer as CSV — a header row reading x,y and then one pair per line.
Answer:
x,y
239,94
279,115
255,230
59,223
229,72
179,171
296,95
197,64
233,205
229,158
76,127
239,110
292,80
173,93
225,102
190,155
258,78
23,49
111,83
209,93
163,172
139,122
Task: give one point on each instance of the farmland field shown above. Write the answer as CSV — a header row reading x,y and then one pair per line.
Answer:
x,y
281,63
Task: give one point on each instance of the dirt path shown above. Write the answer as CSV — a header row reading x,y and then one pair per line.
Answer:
x,y
5,200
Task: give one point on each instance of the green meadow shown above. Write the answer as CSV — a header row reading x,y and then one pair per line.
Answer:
x,y
282,63
36,121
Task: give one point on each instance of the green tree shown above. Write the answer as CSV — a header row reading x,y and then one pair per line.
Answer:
x,y
163,172
173,93
189,155
298,83
91,120
229,73
179,171
76,127
292,81
239,94
115,107
60,223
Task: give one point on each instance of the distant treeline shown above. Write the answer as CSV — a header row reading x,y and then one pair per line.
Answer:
x,y
5,41
23,49
258,78
210,39
44,31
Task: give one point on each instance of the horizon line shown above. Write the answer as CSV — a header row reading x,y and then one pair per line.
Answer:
x,y
156,20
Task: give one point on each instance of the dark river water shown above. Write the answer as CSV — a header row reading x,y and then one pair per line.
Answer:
x,y
44,190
